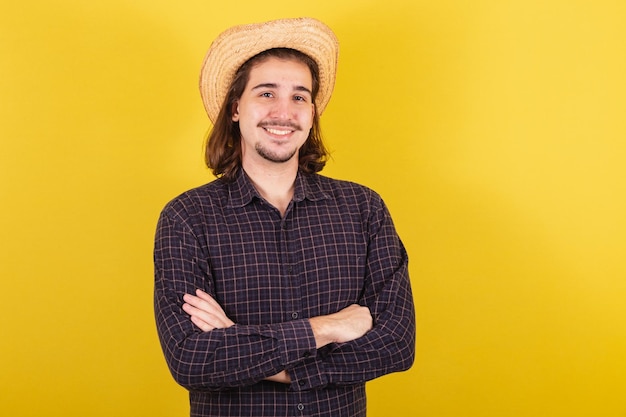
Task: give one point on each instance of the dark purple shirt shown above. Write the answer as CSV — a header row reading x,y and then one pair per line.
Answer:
x,y
335,246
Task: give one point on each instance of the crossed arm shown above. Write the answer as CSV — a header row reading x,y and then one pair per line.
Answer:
x,y
206,350
343,326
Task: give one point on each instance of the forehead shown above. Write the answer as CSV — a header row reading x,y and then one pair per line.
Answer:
x,y
289,71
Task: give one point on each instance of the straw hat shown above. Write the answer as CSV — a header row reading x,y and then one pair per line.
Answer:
x,y
238,44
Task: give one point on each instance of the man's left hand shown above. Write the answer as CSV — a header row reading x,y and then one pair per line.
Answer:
x,y
205,312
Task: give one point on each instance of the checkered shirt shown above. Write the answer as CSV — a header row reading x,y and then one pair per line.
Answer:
x,y
336,245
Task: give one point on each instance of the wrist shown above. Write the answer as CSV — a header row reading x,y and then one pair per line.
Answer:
x,y
282,377
321,331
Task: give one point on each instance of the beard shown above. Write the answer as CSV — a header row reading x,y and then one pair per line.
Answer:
x,y
273,156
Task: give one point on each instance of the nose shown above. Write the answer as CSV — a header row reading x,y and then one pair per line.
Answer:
x,y
282,109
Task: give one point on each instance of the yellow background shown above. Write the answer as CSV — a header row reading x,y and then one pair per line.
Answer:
x,y
493,129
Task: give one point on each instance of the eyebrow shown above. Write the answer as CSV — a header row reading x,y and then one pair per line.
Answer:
x,y
274,85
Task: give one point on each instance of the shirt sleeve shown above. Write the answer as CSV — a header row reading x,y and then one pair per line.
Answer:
x,y
240,355
390,345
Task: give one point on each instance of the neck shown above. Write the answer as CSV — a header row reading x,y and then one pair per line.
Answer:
x,y
275,182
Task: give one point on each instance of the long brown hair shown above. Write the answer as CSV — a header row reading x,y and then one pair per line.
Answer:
x,y
223,146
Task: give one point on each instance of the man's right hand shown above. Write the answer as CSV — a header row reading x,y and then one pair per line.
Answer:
x,y
343,326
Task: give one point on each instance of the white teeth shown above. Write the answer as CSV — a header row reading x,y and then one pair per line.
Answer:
x,y
278,132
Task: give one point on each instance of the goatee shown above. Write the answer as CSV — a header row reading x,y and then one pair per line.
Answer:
x,y
273,156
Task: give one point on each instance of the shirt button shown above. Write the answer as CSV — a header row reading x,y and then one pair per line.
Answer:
x,y
302,383
306,354
300,406
294,315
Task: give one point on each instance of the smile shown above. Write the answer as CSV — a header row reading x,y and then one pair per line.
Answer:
x,y
279,132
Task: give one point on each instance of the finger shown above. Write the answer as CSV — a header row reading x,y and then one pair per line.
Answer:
x,y
213,307
194,301
206,321
207,309
203,301
202,325
206,297
213,316
203,294
207,305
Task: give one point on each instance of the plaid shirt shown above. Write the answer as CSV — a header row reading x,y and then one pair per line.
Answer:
x,y
336,245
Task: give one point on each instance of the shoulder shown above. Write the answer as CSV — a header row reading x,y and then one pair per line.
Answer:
x,y
349,198
348,190
354,202
197,200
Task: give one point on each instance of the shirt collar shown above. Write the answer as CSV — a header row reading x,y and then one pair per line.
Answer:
x,y
241,191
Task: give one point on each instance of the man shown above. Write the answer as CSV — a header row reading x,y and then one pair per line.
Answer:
x,y
278,292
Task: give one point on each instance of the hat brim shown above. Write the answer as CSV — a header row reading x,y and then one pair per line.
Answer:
x,y
238,44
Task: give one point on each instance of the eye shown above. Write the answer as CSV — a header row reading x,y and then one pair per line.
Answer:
x,y
300,98
267,94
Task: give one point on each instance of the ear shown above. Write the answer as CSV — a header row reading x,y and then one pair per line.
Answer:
x,y
235,112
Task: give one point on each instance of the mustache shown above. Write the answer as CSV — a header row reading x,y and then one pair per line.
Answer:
x,y
286,124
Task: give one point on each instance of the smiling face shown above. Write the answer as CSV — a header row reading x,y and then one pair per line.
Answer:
x,y
275,112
